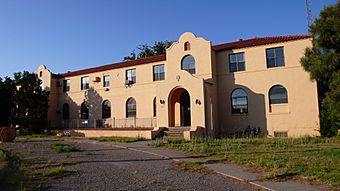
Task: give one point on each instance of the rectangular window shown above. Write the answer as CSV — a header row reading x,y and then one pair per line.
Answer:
x,y
131,76
85,83
236,62
66,85
280,134
158,72
275,57
106,81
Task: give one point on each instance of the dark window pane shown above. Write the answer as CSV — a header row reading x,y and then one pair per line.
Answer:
x,y
188,64
240,57
270,53
279,52
280,61
270,62
232,58
241,66
233,67
278,94
239,101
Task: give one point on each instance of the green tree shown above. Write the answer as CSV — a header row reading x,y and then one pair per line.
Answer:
x,y
146,51
31,102
323,63
7,90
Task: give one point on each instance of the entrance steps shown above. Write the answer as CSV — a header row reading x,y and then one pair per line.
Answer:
x,y
175,132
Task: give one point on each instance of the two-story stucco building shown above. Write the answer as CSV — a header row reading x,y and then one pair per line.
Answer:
x,y
256,85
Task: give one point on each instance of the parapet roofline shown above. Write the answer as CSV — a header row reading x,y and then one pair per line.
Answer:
x,y
226,46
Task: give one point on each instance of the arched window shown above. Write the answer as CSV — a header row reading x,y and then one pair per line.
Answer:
x,y
239,101
131,107
66,112
40,74
278,94
188,64
154,107
84,111
186,46
106,109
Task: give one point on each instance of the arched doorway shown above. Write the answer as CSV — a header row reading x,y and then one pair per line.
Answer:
x,y
179,108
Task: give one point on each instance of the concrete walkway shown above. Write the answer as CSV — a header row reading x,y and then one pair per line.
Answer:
x,y
229,170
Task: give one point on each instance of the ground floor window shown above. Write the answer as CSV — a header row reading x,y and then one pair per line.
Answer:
x,y
131,107
84,111
239,101
106,109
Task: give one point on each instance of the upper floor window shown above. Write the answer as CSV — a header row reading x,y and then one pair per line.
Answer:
x,y
106,109
278,94
40,74
131,76
275,57
188,64
85,83
158,72
239,101
131,107
187,46
236,62
66,85
106,81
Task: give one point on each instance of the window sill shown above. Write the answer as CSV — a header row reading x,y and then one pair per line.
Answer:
x,y
279,113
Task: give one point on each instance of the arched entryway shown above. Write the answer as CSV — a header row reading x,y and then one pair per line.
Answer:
x,y
179,108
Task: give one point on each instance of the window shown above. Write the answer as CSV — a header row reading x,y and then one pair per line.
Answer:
x,y
106,109
236,62
188,64
85,83
280,134
131,76
154,107
275,57
106,81
131,107
277,95
158,72
239,101
40,74
66,112
84,111
66,85
187,46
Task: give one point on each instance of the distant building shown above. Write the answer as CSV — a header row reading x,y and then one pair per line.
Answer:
x,y
255,86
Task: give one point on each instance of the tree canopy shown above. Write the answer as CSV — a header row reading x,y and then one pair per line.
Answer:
x,y
24,102
323,63
145,50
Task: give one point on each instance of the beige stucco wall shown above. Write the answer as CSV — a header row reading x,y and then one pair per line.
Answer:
x,y
299,117
209,89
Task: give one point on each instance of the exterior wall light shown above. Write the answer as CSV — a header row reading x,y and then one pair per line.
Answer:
x,y
198,102
162,101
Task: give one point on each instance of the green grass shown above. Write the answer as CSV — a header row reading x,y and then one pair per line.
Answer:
x,y
56,172
61,147
118,139
315,159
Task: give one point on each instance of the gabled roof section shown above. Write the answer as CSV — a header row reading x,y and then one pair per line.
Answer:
x,y
258,41
115,65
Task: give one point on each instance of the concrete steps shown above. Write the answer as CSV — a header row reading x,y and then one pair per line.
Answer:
x,y
175,132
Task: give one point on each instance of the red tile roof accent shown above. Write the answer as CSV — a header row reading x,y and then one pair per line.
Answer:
x,y
219,47
258,42
115,65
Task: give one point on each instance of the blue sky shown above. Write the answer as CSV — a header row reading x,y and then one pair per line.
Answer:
x,y
75,34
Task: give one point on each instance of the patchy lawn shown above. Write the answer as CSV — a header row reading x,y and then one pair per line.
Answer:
x,y
313,159
118,139
61,147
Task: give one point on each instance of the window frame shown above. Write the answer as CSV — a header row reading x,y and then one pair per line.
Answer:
x,y
237,63
86,85
66,85
275,57
190,70
286,101
133,78
84,111
106,109
106,83
235,110
160,75
131,113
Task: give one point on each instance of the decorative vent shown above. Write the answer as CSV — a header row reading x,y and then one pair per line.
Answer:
x,y
280,133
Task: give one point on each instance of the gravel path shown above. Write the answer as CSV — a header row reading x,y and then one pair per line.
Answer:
x,y
106,167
